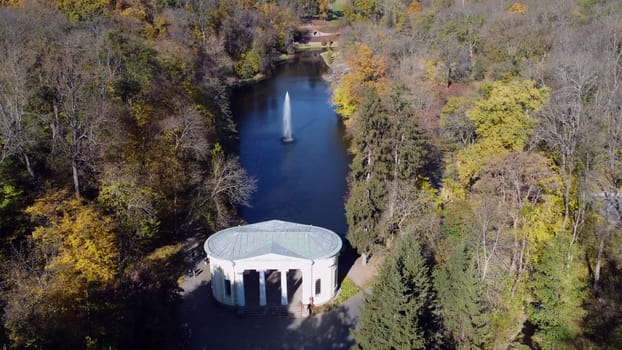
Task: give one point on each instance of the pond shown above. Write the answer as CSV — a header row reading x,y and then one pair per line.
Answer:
x,y
302,181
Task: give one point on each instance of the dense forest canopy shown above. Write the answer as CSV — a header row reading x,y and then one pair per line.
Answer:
x,y
487,169
489,133
115,145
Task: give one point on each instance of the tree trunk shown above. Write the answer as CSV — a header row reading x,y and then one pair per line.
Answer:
x,y
76,181
368,176
599,259
489,256
26,161
566,180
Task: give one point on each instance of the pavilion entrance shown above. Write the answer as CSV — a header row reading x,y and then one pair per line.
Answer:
x,y
273,287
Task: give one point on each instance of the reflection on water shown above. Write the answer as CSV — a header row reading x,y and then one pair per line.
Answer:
x,y
303,181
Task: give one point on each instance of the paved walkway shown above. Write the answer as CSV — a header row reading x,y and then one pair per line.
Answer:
x,y
362,275
211,326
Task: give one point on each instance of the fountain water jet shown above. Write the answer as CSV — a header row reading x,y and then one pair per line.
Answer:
x,y
287,120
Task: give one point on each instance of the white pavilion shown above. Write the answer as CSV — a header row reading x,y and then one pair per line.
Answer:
x,y
276,248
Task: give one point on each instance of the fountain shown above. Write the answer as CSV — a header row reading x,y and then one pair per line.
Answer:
x,y
287,120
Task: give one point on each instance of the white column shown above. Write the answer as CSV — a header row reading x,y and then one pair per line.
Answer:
x,y
283,287
239,286
262,287
307,284
217,282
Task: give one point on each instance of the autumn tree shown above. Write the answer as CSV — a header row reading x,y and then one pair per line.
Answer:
x,y
126,196
77,83
521,181
28,318
323,8
410,206
74,256
564,125
364,10
80,10
86,251
227,186
456,129
503,122
458,38
367,72
607,161
19,129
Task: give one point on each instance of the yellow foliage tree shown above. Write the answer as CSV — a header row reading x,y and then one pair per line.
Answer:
x,y
72,259
503,123
85,245
323,8
367,70
518,8
11,3
79,10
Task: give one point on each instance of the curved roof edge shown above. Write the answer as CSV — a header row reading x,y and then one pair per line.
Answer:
x,y
273,237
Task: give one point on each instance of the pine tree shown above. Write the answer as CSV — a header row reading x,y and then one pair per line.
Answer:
x,y
422,298
382,322
460,294
558,293
401,311
409,144
362,213
370,139
369,172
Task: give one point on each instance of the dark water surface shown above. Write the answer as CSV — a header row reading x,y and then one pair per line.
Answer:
x,y
303,181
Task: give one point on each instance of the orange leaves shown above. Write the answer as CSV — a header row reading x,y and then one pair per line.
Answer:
x,y
518,8
367,70
367,65
414,7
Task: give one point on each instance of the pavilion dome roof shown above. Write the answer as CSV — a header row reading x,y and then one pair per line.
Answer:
x,y
273,237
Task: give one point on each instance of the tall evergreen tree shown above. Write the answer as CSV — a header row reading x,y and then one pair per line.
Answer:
x,y
401,311
558,294
422,298
370,168
409,144
460,294
370,139
363,213
383,323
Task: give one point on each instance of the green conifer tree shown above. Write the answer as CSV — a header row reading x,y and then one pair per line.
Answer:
x,y
558,294
409,144
362,213
382,319
370,167
370,140
401,312
460,294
